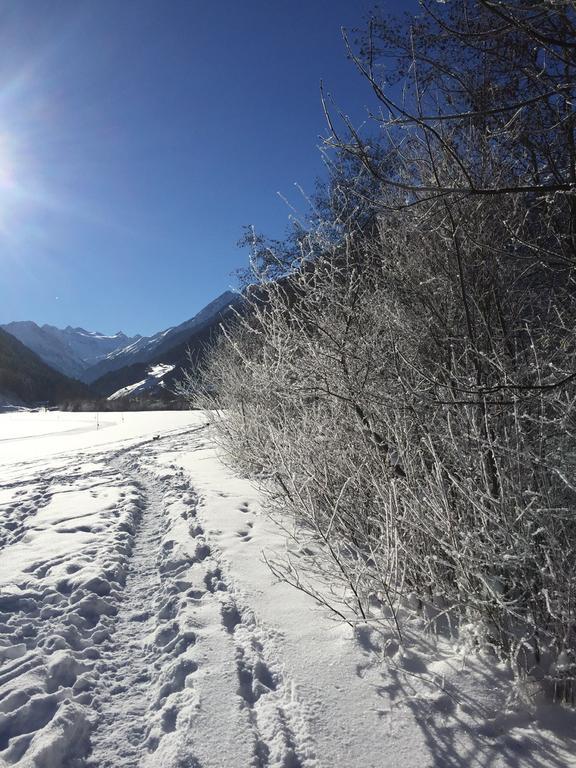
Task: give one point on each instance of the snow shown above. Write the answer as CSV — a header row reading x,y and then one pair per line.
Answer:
x,y
22,425
154,377
142,627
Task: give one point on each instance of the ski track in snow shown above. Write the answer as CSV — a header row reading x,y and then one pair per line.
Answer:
x,y
115,655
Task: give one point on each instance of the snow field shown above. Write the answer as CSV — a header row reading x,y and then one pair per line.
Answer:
x,y
60,590
28,437
110,582
24,425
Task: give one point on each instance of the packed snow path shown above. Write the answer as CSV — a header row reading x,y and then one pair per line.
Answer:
x,y
122,691
141,628
176,595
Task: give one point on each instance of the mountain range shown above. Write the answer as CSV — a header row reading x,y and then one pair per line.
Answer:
x,y
118,365
72,351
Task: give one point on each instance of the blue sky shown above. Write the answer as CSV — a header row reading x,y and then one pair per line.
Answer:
x,y
137,137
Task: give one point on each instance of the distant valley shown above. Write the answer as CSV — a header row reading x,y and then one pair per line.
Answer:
x,y
112,367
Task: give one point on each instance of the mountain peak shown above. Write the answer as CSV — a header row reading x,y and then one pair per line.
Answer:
x,y
22,324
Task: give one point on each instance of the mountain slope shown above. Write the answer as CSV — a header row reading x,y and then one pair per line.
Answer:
x,y
26,379
151,349
90,346
153,380
70,350
190,345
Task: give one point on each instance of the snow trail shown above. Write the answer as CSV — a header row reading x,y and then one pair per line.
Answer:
x,y
181,637
124,669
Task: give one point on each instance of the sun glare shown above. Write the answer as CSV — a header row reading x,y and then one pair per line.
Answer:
x,y
17,191
8,164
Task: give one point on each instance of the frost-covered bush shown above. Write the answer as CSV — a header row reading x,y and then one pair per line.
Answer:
x,y
353,394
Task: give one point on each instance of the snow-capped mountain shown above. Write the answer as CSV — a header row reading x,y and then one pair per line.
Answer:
x,y
71,351
149,348
90,346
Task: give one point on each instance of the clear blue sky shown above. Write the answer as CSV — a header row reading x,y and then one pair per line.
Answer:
x,y
137,137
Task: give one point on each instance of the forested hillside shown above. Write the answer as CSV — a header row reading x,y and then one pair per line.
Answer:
x,y
406,388
25,379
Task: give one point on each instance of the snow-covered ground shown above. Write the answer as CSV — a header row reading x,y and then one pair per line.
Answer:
x,y
140,626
